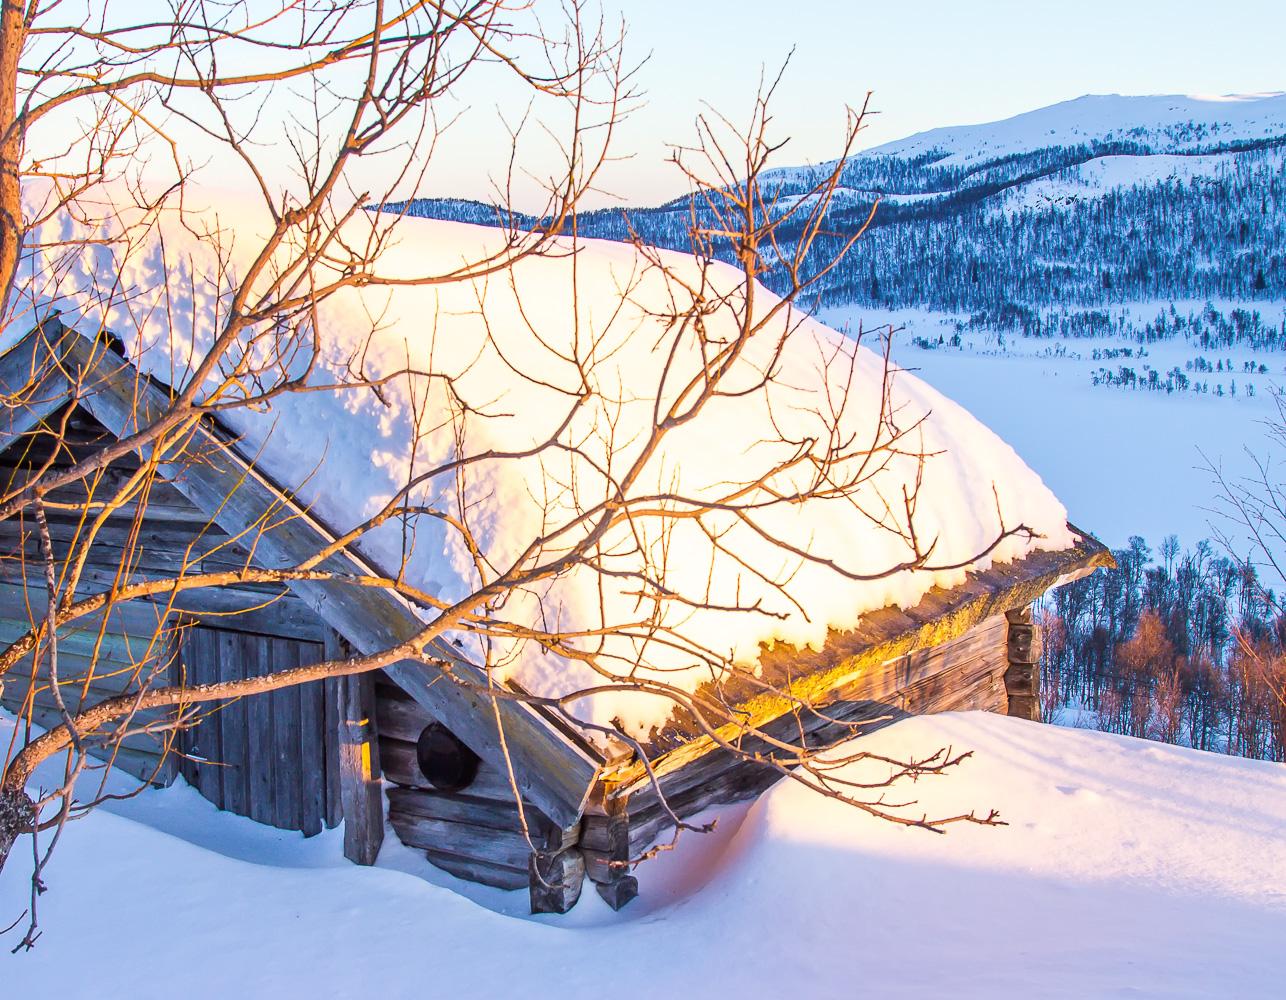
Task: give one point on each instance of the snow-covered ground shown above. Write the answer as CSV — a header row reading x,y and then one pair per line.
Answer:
x,y
1169,131
1172,123
1108,173
1125,462
1128,868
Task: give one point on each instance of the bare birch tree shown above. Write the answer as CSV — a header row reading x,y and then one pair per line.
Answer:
x,y
377,80
1250,524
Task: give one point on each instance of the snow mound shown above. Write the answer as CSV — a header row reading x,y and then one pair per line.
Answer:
x,y
1128,868
519,347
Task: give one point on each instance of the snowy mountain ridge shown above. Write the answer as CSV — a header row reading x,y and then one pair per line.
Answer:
x,y
1082,205
1075,131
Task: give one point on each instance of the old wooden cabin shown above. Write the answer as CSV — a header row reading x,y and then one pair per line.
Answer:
x,y
405,749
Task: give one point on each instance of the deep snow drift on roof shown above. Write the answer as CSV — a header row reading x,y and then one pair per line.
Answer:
x,y
576,349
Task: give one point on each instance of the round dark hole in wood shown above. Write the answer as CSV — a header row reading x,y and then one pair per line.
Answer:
x,y
447,763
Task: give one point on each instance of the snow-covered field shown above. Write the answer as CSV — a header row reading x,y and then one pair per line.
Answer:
x,y
1125,462
1128,868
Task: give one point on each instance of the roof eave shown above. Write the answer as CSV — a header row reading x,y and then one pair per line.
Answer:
x,y
880,637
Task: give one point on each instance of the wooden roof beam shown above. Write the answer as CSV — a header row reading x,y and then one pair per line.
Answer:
x,y
552,771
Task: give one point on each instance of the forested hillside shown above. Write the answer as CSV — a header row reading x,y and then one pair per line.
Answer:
x,y
1087,204
1182,647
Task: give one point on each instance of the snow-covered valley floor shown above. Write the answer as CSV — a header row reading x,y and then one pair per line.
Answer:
x,y
1128,868
1124,461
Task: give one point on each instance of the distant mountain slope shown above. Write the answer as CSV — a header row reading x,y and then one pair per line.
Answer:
x,y
1040,142
1095,201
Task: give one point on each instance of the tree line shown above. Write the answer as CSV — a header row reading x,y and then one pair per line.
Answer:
x,y
1184,647
985,248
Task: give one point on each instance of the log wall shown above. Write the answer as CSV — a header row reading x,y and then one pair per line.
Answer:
x,y
963,674
137,643
476,833
1022,678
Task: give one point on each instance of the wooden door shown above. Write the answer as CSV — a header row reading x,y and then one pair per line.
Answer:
x,y
275,756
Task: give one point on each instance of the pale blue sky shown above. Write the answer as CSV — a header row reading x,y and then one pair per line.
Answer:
x,y
929,63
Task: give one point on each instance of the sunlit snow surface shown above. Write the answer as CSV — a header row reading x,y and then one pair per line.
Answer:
x,y
1124,461
1172,123
1127,869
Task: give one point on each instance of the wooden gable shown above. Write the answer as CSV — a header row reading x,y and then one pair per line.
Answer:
x,y
552,768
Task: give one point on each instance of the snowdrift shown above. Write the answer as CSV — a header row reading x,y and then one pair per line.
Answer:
x,y
1128,868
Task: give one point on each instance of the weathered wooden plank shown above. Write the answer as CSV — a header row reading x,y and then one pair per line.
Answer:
x,y
359,763
555,880
78,677
286,738
168,549
398,761
331,720
1022,678
607,834
883,690
289,619
232,723
619,891
142,764
261,786
460,808
464,840
21,605
207,751
605,845
471,870
985,642
312,750
881,638
47,716
601,869
130,636
135,563
32,386
261,609
400,716
974,683
554,772
111,653
73,697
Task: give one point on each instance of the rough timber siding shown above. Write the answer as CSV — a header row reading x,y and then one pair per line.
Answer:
x,y
476,833
273,757
136,644
964,673
96,660
790,677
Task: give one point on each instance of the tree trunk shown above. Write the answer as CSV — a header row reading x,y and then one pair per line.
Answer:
x,y
13,31
17,816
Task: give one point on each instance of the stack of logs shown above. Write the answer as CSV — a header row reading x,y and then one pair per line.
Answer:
x,y
477,830
1022,678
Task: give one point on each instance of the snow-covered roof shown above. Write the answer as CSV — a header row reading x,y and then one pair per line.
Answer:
x,y
518,348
